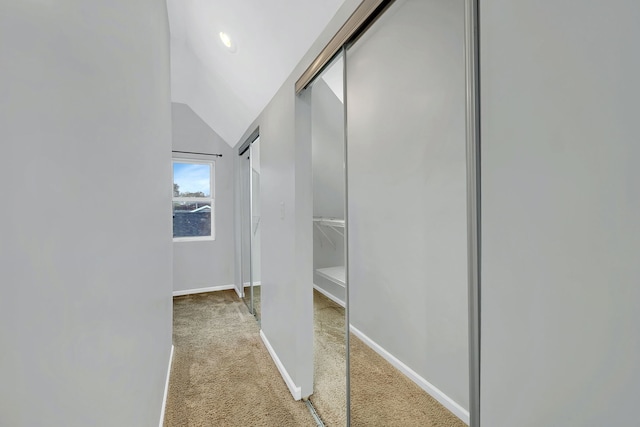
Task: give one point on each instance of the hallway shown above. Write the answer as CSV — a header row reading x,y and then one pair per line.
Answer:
x,y
478,169
222,375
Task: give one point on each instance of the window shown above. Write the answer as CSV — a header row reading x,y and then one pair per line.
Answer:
x,y
193,207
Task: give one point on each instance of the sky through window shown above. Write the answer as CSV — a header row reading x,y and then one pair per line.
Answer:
x,y
192,178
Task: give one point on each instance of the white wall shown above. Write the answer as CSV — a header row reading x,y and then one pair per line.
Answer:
x,y
407,190
202,264
287,310
85,253
560,209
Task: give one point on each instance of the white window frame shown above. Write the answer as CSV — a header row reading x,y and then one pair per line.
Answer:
x,y
211,199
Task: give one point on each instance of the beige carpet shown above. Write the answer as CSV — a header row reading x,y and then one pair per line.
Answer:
x,y
382,396
222,374
330,366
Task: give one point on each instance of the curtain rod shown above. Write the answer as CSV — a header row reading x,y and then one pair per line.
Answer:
x,y
201,154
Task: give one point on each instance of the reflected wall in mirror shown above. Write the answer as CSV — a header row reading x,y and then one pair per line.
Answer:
x,y
250,227
327,136
255,227
407,217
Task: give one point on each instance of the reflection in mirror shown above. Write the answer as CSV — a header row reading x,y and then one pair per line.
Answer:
x,y
245,226
407,218
256,283
327,136
250,226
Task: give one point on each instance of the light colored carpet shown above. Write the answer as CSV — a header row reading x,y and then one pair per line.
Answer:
x,y
381,396
222,374
330,366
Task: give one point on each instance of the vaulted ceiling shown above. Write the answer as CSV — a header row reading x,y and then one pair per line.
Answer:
x,y
229,89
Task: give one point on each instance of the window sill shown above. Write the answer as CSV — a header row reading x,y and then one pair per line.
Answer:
x,y
194,239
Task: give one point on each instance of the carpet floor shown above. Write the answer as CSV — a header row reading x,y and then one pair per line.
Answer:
x,y
222,374
380,394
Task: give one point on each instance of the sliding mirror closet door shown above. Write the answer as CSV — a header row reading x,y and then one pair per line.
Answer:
x,y
250,225
327,138
254,159
407,219
245,228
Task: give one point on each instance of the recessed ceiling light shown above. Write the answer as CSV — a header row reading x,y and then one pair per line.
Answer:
x,y
226,41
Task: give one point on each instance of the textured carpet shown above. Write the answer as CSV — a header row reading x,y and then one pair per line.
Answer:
x,y
222,375
330,366
382,396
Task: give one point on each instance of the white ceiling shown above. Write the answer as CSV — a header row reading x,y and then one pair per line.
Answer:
x,y
229,90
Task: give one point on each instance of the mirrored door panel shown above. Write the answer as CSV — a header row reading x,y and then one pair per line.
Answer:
x,y
329,280
245,228
256,283
250,226
407,217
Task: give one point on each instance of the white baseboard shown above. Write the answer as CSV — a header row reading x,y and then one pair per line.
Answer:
x,y
329,295
296,391
166,389
254,283
436,393
202,290
241,292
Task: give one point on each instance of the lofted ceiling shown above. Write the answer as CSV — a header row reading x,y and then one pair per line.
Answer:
x,y
228,90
